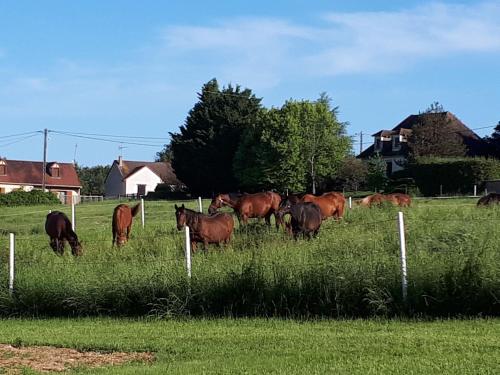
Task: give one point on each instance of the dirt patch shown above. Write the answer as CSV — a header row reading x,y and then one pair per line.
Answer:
x,y
51,359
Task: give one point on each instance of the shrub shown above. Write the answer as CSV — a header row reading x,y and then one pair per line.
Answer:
x,y
455,175
28,198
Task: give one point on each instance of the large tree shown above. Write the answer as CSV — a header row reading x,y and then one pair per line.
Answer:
x,y
294,147
435,135
202,152
92,179
493,142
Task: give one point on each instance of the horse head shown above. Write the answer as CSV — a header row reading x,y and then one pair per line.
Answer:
x,y
180,216
76,246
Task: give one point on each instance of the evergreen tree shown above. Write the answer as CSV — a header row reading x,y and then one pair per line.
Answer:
x,y
203,151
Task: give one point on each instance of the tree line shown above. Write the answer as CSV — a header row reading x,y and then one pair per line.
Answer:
x,y
231,142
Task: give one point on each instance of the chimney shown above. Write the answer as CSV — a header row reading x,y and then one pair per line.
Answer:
x,y
120,161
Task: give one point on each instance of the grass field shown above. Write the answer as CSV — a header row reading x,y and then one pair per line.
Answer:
x,y
256,346
350,270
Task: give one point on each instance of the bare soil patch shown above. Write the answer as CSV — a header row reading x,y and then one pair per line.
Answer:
x,y
52,359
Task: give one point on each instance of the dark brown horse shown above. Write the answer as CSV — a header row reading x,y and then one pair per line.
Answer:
x,y
258,205
216,228
306,217
331,204
122,223
489,199
58,227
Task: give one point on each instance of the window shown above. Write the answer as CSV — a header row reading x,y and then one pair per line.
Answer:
x,y
378,144
3,169
396,143
141,190
55,172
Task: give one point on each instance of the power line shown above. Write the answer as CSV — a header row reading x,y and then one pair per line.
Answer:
x,y
19,134
106,140
109,135
17,140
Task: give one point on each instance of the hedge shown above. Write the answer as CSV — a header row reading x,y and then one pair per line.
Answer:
x,y
455,175
27,198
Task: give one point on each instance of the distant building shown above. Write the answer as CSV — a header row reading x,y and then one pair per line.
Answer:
x,y
392,145
60,178
138,178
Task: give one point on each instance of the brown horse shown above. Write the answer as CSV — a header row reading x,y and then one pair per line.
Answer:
x,y
216,228
397,199
221,200
258,205
122,223
331,204
489,199
58,227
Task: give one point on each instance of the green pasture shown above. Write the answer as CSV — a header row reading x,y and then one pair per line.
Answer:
x,y
257,346
351,270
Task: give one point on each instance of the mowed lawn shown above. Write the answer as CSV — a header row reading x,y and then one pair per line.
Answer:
x,y
256,346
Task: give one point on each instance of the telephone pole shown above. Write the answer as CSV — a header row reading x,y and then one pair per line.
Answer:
x,y
360,142
45,131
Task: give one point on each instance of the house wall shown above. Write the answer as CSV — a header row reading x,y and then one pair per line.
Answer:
x,y
114,184
7,188
144,176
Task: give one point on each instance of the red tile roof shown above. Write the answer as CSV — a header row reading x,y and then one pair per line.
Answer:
x,y
23,172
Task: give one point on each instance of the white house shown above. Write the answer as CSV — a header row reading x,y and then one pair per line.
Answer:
x,y
126,178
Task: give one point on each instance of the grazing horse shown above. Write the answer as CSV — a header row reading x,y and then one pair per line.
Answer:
x,y
489,199
228,199
122,223
397,199
258,205
306,217
58,227
331,204
216,228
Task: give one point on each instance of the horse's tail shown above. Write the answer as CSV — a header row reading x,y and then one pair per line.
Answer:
x,y
135,209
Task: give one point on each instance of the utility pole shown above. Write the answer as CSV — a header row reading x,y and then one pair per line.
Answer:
x,y
45,131
360,142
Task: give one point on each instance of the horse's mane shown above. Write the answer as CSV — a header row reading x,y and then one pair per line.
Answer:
x,y
135,209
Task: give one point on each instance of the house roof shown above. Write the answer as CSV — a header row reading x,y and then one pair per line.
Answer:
x,y
24,172
473,142
161,169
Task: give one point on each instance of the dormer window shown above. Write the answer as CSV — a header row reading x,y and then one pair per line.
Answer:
x,y
3,168
55,171
396,143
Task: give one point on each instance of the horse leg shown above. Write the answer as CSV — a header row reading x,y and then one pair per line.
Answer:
x,y
268,218
129,229
205,245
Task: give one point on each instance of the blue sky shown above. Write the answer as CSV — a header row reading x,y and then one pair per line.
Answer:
x,y
133,68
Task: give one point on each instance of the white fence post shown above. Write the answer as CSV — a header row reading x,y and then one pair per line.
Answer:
x,y
142,212
200,205
12,248
188,252
73,213
475,190
350,202
402,245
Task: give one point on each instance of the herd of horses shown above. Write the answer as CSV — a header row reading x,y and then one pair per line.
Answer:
x,y
306,213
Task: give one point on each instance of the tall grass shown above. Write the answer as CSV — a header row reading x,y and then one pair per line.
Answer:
x,y
351,269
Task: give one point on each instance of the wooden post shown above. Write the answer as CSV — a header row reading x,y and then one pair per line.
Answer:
x,y
187,249
441,190
350,202
12,249
402,246
200,205
475,190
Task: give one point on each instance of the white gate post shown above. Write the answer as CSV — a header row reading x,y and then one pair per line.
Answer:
x,y
350,202
402,245
12,248
73,213
142,212
187,248
200,205
475,190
